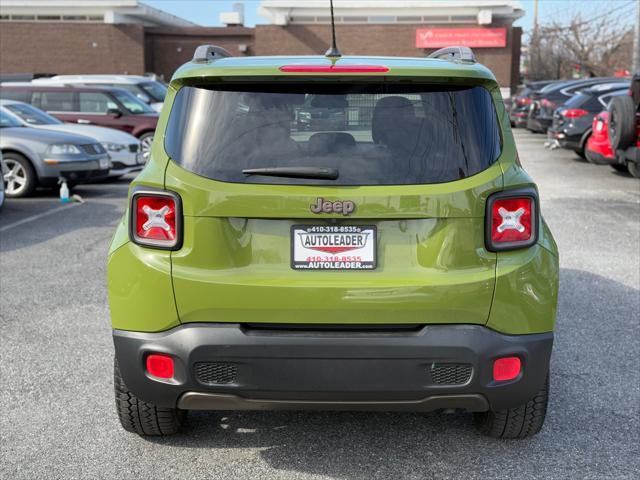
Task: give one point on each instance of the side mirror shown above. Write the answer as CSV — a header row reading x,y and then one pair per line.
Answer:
x,y
115,112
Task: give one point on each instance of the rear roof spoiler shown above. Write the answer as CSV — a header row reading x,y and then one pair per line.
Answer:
x,y
208,53
454,54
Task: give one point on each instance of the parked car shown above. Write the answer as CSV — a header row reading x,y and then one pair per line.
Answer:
x,y
553,96
146,89
624,127
401,264
572,121
322,112
123,149
34,157
521,101
101,106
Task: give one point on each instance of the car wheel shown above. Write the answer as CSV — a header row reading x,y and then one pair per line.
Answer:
x,y
146,140
593,157
18,175
519,422
141,417
622,122
620,167
634,169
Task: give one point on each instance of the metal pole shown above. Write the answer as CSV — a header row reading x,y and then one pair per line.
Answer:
x,y
636,40
534,50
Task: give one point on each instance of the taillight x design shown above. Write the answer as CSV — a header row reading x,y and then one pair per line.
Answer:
x,y
156,219
511,220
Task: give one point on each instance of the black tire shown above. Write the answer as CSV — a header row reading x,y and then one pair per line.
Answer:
x,y
622,122
27,178
634,169
141,417
620,167
519,422
593,157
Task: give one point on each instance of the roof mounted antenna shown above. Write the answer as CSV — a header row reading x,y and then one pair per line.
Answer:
x,y
333,51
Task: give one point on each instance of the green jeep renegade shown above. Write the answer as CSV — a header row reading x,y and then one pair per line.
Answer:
x,y
349,233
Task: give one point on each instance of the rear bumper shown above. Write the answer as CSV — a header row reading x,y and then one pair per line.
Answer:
x,y
233,367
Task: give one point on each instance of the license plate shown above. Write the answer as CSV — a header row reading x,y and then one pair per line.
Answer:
x,y
333,247
104,163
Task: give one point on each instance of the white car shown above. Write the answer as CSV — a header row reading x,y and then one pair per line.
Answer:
x,y
124,149
146,89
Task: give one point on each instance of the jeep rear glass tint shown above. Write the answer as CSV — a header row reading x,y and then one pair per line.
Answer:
x,y
372,134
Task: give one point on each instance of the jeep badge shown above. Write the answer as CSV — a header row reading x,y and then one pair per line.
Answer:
x,y
345,207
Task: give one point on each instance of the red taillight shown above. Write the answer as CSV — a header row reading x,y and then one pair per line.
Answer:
x,y
511,221
334,68
547,103
160,365
574,113
525,101
155,219
506,368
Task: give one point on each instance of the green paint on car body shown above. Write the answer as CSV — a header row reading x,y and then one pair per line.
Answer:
x,y
234,263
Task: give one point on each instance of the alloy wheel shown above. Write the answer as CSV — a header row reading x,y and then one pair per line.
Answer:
x,y
14,176
145,147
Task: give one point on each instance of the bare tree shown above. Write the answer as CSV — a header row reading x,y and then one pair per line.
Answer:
x,y
598,46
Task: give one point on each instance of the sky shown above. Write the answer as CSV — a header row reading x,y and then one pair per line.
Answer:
x,y
206,12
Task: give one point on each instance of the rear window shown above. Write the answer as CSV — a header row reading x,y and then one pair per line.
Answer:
x,y
586,101
371,134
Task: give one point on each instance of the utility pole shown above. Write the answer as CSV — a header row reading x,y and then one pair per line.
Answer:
x,y
534,50
636,40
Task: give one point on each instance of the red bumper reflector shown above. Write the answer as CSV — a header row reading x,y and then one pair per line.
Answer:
x,y
334,68
506,368
160,366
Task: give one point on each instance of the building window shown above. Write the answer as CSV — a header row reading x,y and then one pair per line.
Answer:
x,y
382,19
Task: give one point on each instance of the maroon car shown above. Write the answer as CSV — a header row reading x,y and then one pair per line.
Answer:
x,y
101,106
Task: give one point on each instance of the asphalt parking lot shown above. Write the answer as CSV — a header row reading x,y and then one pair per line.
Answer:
x,y
59,420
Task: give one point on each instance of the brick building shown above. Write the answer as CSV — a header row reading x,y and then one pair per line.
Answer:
x,y
127,36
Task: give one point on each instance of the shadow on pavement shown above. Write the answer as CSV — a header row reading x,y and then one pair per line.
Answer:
x,y
53,224
592,425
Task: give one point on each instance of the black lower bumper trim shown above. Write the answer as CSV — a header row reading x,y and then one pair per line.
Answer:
x,y
219,401
227,365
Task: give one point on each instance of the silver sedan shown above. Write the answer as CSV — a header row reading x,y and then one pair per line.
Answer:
x,y
33,157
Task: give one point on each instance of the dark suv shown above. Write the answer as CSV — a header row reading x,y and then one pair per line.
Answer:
x,y
553,96
102,106
571,125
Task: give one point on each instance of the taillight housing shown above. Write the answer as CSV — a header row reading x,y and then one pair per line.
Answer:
x,y
155,219
574,113
511,220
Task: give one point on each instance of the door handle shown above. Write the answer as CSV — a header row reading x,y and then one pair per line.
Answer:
x,y
83,120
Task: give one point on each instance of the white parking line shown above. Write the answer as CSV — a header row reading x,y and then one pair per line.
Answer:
x,y
36,217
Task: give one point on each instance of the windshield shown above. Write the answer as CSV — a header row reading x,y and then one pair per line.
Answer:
x,y
369,134
155,90
7,120
132,104
32,115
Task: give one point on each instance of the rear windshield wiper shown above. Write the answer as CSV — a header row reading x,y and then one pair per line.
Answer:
x,y
295,172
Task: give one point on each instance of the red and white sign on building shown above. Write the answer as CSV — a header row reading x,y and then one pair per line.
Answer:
x,y
467,37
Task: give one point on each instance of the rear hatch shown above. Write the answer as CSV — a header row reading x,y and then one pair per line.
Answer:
x,y
288,220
